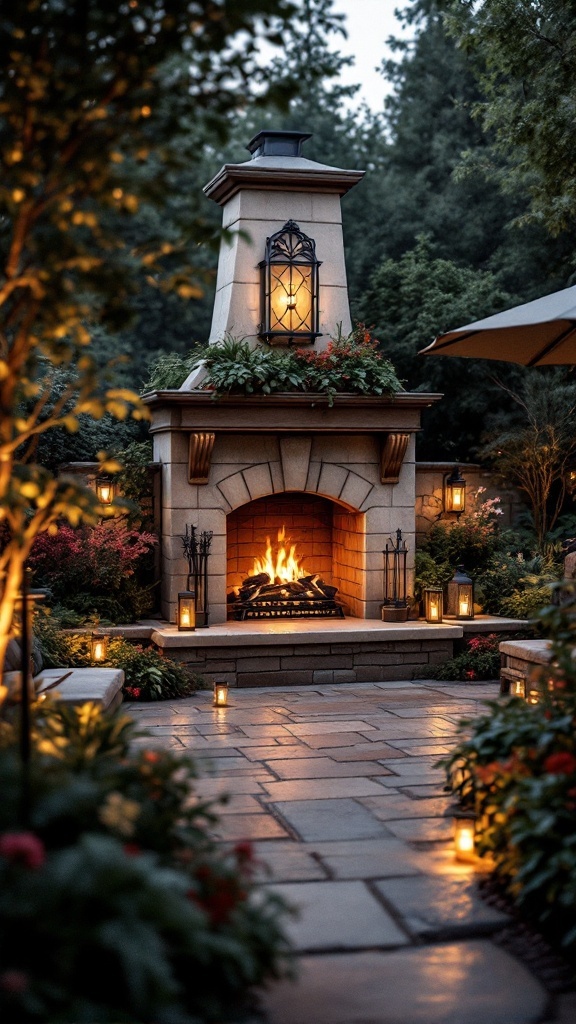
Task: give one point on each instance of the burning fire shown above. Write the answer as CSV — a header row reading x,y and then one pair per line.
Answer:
x,y
286,567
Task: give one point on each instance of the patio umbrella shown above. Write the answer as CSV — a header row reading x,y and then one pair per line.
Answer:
x,y
538,333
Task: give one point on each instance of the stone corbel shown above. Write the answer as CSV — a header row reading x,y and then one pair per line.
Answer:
x,y
392,456
199,455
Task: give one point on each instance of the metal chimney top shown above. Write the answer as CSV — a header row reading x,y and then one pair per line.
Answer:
x,y
271,143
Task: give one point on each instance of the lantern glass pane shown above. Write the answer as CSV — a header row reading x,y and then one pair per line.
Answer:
x,y
291,291
433,605
186,611
220,694
456,497
464,839
105,492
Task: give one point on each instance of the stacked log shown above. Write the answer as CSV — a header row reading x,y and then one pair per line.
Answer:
x,y
309,595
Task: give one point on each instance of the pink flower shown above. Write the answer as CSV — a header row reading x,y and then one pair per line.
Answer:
x,y
23,848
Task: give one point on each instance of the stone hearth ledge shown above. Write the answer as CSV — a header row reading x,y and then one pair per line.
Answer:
x,y
311,631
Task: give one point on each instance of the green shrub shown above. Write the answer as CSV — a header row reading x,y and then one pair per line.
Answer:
x,y
115,903
479,660
350,364
516,768
148,674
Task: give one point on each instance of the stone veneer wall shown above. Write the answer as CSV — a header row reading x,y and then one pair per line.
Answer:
x,y
342,468
320,664
429,493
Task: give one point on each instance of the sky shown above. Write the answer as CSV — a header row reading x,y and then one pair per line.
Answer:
x,y
368,23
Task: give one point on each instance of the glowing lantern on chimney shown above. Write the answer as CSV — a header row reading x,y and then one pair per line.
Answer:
x,y
289,283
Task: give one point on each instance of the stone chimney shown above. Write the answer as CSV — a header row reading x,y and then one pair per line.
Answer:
x,y
258,198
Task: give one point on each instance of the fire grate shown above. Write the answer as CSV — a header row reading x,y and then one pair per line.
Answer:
x,y
288,610
308,597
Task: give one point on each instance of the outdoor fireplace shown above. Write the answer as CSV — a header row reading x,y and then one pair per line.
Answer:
x,y
334,477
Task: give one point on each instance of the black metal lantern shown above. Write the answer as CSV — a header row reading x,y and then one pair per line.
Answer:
x,y
395,607
460,598
98,647
289,287
187,609
455,492
433,604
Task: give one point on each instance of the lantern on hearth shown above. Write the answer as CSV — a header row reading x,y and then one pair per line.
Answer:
x,y
105,489
455,492
464,835
98,647
220,695
289,288
433,604
187,610
460,596
395,607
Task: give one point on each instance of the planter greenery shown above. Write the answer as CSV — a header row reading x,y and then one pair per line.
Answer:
x,y
350,364
516,768
115,903
148,674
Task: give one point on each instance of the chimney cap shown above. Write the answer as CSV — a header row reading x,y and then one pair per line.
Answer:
x,y
276,143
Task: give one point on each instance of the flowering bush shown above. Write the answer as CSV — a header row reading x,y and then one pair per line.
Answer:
x,y
480,659
94,569
115,903
517,770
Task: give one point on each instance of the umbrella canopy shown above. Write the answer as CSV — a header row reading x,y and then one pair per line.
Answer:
x,y
538,333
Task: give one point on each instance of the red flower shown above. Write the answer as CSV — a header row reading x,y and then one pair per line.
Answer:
x,y
23,848
244,851
560,764
152,756
132,849
13,981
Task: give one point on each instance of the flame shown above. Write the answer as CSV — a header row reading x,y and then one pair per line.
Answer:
x,y
284,567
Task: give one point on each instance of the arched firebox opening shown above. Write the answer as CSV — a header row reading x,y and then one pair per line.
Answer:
x,y
295,537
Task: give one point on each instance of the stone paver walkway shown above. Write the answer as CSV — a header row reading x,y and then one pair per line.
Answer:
x,y
337,788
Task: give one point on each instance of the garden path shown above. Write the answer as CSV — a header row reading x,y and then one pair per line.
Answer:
x,y
338,790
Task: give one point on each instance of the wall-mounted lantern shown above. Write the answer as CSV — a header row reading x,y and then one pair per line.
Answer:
x,y
460,596
187,610
98,647
289,288
455,492
433,604
395,607
105,489
570,478
220,695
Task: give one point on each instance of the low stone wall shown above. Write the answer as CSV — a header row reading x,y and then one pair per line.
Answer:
x,y
316,664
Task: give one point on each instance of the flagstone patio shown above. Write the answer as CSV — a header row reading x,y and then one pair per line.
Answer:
x,y
338,788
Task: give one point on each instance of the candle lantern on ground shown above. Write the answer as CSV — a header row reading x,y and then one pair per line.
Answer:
x,y
187,609
518,688
433,604
98,647
395,607
220,695
464,835
455,492
460,596
197,551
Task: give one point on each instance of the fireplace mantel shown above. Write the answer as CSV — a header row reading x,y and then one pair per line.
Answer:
x,y
288,412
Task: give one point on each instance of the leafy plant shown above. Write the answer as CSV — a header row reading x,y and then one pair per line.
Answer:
x,y
479,660
516,768
95,569
115,902
148,674
348,364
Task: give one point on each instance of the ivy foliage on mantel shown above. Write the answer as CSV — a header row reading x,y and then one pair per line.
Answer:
x,y
350,364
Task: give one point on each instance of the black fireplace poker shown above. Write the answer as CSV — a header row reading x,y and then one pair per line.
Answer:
x,y
197,550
